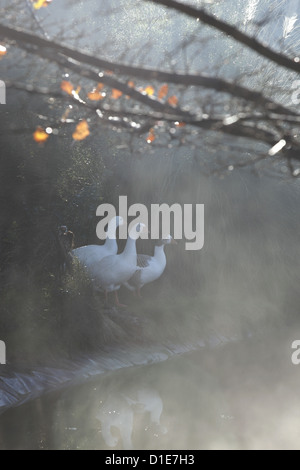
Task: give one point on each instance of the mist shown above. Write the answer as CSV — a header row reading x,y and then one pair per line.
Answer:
x,y
204,359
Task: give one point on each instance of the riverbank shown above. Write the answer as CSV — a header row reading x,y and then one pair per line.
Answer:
x,y
235,395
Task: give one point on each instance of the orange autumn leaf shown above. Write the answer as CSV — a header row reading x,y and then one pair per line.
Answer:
x,y
67,87
41,3
3,50
82,131
130,84
116,94
149,90
151,136
95,95
40,135
173,100
99,86
163,91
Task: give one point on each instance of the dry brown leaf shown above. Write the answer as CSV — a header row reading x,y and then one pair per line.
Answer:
x,y
151,136
173,100
116,94
67,87
82,131
95,95
163,91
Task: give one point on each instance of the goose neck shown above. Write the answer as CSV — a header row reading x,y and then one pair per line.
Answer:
x,y
130,248
111,244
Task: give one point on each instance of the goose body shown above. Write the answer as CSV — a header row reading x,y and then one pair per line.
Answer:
x,y
149,268
114,270
89,254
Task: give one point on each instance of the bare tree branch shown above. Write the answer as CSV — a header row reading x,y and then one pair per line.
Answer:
x,y
267,124
237,127
43,46
36,19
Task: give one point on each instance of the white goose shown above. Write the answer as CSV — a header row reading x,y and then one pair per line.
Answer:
x,y
149,268
114,270
89,254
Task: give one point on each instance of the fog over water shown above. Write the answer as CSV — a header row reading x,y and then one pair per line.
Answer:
x,y
238,297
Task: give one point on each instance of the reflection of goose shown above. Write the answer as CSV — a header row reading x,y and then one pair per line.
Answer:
x,y
119,411
147,400
114,270
89,254
149,268
115,414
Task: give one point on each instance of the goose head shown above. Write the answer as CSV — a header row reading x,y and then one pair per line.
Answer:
x,y
113,224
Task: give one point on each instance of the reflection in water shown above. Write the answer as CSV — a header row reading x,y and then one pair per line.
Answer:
x,y
242,396
119,410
